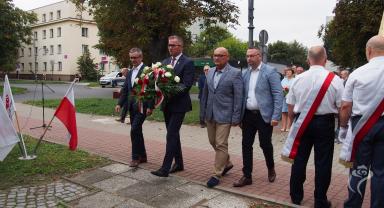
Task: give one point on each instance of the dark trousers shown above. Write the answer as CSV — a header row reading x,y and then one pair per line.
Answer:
x,y
369,156
137,119
320,134
173,122
252,123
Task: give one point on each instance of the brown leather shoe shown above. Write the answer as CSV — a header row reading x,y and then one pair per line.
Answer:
x,y
243,182
271,175
134,163
143,159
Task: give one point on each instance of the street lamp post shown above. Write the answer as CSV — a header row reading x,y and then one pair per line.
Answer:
x,y
250,21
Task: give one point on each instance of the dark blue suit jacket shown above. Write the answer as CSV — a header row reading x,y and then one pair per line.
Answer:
x,y
125,94
181,102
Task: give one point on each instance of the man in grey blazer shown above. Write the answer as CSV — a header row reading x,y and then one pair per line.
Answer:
x,y
261,111
220,105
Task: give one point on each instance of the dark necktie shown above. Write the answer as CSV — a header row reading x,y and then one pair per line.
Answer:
x,y
173,62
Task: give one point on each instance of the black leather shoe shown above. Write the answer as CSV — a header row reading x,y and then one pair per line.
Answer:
x,y
212,182
160,173
226,169
243,182
176,168
271,175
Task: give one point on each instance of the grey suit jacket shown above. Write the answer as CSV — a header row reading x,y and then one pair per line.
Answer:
x,y
223,104
269,93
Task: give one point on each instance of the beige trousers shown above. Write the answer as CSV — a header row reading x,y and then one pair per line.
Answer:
x,y
218,137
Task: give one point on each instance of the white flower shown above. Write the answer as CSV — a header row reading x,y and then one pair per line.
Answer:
x,y
154,66
168,74
158,64
177,79
169,66
142,75
136,80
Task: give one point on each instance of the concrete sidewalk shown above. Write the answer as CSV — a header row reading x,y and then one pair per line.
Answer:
x,y
103,136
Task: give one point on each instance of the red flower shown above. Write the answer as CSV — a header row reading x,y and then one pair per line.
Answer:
x,y
141,94
146,81
140,82
161,72
158,93
164,80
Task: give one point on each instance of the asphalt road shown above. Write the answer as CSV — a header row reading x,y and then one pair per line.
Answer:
x,y
54,91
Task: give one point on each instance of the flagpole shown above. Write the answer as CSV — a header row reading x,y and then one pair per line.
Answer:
x,y
42,136
25,154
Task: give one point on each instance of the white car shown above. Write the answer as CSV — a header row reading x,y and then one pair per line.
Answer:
x,y
107,79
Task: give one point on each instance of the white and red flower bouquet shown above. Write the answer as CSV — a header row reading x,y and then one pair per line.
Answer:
x,y
156,83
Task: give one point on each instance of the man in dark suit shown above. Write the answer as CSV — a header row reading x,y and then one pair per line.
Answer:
x,y
262,103
201,83
175,107
137,118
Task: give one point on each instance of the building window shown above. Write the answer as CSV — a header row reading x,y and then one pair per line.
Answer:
x,y
30,51
50,15
58,49
22,52
84,48
44,18
51,50
59,32
58,14
36,66
36,50
44,34
30,66
22,66
52,65
35,35
84,32
51,33
60,66
45,50
45,66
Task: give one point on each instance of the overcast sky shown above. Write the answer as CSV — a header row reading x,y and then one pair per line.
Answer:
x,y
285,20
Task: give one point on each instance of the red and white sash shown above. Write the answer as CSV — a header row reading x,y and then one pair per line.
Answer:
x,y
312,103
363,126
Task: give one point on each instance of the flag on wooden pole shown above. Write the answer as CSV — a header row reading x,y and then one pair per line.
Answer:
x,y
66,113
8,134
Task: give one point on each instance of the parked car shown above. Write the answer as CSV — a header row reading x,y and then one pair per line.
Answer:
x,y
118,81
107,79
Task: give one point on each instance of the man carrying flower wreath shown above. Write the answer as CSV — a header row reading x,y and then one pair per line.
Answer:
x,y
136,117
175,106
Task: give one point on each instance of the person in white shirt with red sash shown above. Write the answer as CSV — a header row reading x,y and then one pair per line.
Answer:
x,y
364,147
313,100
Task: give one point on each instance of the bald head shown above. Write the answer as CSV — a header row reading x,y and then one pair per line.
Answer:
x,y
220,57
375,47
317,56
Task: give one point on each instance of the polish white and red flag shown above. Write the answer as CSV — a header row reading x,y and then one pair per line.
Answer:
x,y
8,134
66,113
9,103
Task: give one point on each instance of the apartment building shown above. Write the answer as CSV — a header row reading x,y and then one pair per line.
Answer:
x,y
60,36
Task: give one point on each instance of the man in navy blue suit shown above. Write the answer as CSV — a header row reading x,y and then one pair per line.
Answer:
x,y
175,107
137,118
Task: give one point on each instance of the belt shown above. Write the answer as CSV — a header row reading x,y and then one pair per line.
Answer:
x,y
254,111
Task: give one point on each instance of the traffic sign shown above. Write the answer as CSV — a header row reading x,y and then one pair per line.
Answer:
x,y
263,37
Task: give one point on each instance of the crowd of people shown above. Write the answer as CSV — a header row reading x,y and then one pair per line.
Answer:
x,y
256,100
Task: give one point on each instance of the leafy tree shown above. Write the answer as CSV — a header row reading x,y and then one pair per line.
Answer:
x,y
207,40
354,23
148,23
14,31
293,53
86,66
237,49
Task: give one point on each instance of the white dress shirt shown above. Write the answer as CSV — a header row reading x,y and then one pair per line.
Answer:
x,y
135,71
251,97
176,60
361,85
303,84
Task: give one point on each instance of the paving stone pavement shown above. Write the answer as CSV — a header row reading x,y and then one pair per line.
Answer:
x,y
46,195
103,136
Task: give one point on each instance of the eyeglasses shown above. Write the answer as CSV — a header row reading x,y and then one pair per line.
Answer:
x,y
134,57
219,55
173,45
251,56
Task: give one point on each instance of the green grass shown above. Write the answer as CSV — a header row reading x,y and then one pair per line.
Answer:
x,y
15,90
53,161
29,81
105,107
92,84
194,90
